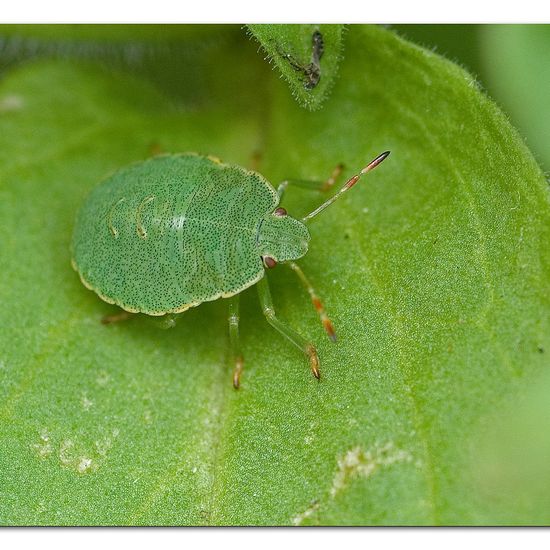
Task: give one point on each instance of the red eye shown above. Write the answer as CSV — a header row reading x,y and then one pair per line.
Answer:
x,y
280,212
269,262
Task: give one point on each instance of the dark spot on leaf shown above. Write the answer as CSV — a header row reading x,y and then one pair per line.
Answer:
x,y
311,70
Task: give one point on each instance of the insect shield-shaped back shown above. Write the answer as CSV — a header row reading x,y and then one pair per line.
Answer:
x,y
171,232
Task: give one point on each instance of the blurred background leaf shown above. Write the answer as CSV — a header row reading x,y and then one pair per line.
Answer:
x,y
517,68
510,456
173,57
510,62
435,270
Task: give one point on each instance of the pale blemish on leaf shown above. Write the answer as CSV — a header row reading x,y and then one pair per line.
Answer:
x,y
10,103
104,445
44,447
360,463
86,402
310,436
84,465
307,513
147,417
65,456
41,507
73,455
103,378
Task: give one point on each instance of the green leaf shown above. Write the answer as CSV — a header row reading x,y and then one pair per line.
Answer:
x,y
309,69
517,71
172,56
459,43
435,270
510,468
110,34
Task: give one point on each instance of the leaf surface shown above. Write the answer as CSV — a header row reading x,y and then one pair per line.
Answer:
x,y
306,55
434,269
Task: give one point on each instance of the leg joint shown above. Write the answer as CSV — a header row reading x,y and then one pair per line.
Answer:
x,y
269,312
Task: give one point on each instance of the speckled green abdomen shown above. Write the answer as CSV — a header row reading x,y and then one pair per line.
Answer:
x,y
169,233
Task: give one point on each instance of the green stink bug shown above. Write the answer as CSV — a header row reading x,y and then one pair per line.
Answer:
x,y
163,235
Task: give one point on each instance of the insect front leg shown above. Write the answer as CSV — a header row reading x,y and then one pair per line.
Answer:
x,y
312,184
234,340
299,341
317,304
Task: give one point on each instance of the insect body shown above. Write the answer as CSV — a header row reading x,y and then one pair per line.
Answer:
x,y
311,71
163,235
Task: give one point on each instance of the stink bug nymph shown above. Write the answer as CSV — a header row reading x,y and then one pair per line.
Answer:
x,y
164,235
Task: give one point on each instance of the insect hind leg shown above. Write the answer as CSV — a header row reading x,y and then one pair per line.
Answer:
x,y
234,340
165,322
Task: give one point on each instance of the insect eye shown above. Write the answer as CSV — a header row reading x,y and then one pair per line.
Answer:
x,y
280,212
269,262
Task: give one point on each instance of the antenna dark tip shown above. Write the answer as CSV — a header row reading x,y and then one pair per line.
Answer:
x,y
374,163
348,185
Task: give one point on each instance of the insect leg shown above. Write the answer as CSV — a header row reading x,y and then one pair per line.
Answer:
x,y
282,188
299,341
234,340
166,321
312,184
116,317
327,323
295,64
327,184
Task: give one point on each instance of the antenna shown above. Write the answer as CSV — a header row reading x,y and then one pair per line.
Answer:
x,y
348,185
